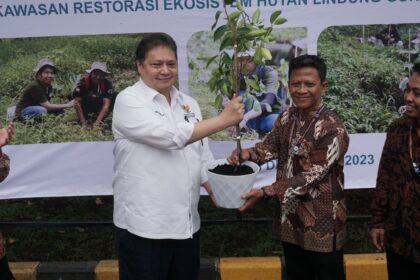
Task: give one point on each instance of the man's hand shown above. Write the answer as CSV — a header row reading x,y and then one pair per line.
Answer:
x,y
71,103
97,125
6,134
234,111
2,249
378,238
233,158
252,197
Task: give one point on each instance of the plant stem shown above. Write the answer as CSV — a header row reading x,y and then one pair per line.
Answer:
x,y
238,144
237,79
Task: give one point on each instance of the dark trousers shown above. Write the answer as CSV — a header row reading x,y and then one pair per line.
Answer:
x,y
400,268
5,273
157,259
308,265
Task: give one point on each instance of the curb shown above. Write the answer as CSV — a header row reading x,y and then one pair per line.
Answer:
x,y
357,266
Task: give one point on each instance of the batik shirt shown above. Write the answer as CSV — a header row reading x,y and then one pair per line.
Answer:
x,y
396,203
309,181
4,171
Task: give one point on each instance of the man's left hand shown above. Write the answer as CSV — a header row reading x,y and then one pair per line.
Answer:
x,y
252,197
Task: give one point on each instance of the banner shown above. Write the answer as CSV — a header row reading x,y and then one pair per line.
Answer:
x,y
58,158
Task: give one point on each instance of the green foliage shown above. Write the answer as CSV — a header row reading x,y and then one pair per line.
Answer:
x,y
363,81
55,129
72,56
240,33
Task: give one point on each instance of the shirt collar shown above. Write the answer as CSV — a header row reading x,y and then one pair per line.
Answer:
x,y
151,93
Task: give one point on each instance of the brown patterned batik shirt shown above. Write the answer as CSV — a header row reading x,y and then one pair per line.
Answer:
x,y
4,166
310,179
4,171
396,203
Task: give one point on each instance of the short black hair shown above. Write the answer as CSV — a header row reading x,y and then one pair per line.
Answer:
x,y
416,68
153,40
308,60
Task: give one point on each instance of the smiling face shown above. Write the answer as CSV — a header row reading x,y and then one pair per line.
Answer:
x,y
412,97
306,89
159,70
46,75
97,76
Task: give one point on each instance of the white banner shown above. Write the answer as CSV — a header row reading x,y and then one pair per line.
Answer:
x,y
85,168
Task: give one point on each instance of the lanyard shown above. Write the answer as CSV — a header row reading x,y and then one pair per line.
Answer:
x,y
410,150
295,148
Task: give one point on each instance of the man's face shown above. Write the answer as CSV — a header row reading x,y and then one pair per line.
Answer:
x,y
46,75
248,65
97,75
159,70
306,88
412,97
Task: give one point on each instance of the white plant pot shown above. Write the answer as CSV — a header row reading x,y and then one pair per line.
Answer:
x,y
227,189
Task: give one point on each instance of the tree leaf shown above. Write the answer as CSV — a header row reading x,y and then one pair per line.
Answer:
x,y
225,89
258,58
266,54
274,16
210,60
226,42
253,84
234,16
228,2
256,16
216,17
219,32
255,33
280,21
239,6
218,101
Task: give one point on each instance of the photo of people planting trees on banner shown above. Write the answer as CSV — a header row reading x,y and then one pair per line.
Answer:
x,y
368,71
368,74
62,89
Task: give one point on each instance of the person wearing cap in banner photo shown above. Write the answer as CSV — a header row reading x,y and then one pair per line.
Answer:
x,y
395,208
94,95
35,99
263,108
309,142
5,137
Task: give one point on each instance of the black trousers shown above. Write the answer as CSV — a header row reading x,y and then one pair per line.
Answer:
x,y
157,259
5,273
308,265
400,268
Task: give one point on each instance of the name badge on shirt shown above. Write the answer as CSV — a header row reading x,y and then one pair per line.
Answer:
x,y
189,115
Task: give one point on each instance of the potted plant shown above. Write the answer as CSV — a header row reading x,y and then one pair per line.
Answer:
x,y
240,33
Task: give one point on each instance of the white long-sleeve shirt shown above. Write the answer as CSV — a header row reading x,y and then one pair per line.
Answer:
x,y
157,177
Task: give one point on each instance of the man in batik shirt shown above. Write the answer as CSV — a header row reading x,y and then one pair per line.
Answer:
x,y
309,142
5,136
396,203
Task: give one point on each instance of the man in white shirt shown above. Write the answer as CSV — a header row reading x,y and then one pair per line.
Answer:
x,y
160,154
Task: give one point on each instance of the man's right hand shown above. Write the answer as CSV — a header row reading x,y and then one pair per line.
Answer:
x,y
378,238
233,158
6,134
71,103
234,111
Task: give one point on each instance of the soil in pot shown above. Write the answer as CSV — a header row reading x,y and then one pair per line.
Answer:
x,y
231,170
